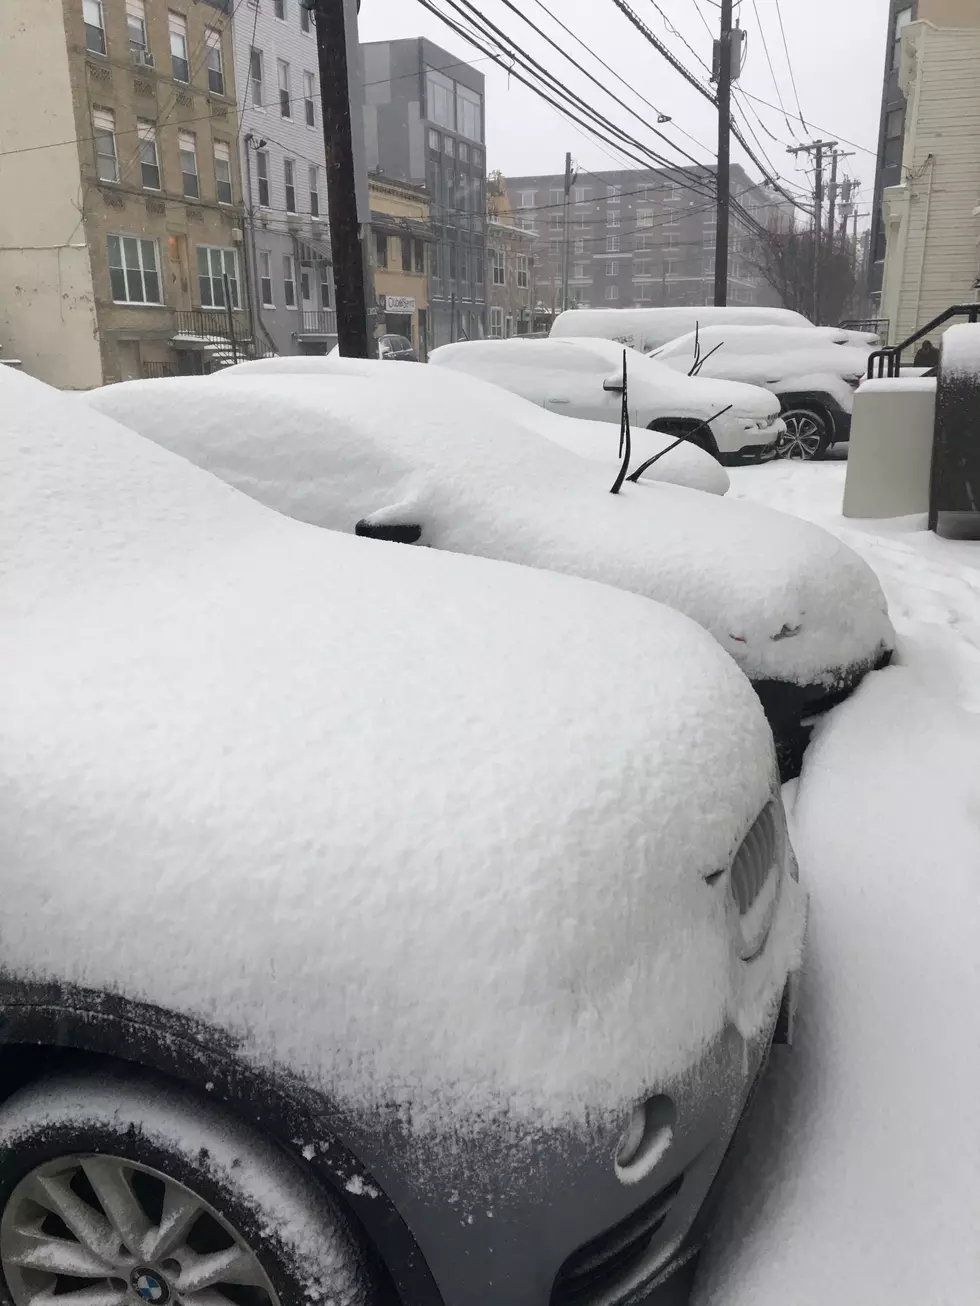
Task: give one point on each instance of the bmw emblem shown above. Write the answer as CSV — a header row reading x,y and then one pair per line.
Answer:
x,y
149,1286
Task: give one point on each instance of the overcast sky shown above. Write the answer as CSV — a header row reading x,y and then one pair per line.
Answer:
x,y
836,50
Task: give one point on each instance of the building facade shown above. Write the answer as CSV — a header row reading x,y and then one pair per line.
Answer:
x,y
424,123
126,239
510,279
400,241
891,131
932,216
637,237
283,164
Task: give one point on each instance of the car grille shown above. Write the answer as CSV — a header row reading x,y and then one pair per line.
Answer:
x,y
755,859
599,1265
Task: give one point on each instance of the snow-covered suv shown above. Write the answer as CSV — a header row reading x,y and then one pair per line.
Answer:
x,y
379,925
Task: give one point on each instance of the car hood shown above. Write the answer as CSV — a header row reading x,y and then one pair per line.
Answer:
x,y
418,828
708,395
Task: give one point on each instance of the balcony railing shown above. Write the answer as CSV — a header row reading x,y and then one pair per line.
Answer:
x,y
319,322
210,324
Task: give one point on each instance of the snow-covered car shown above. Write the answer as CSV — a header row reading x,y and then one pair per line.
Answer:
x,y
415,455
813,371
584,379
363,941
648,328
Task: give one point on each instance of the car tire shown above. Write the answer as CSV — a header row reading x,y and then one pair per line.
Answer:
x,y
808,434
127,1187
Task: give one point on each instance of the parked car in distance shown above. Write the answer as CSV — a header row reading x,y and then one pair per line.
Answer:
x,y
431,966
421,455
814,371
648,328
398,349
584,379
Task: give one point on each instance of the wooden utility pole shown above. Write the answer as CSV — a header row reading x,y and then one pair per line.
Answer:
x,y
346,244
564,242
724,153
816,148
834,191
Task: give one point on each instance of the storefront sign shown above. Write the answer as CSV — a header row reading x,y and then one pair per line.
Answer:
x,y
399,303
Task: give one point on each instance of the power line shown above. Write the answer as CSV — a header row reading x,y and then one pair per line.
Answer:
x,y
680,36
704,21
813,126
789,64
772,71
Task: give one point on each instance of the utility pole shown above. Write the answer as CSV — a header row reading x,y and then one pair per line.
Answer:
x,y
564,245
831,227
816,148
346,243
724,62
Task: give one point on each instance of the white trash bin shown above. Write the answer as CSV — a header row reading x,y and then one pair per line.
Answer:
x,y
890,455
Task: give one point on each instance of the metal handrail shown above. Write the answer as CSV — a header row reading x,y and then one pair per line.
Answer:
x,y
891,355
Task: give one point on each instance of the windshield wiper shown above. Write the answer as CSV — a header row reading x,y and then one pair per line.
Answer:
x,y
705,425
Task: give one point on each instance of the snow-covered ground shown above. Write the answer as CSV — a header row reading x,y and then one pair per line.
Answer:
x,y
861,1179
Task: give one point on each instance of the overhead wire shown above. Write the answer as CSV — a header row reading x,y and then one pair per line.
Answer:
x,y
772,70
789,63
680,36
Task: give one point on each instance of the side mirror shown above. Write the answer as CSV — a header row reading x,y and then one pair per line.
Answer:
x,y
613,383
394,532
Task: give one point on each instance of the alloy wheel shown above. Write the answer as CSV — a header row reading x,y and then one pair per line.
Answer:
x,y
803,438
97,1230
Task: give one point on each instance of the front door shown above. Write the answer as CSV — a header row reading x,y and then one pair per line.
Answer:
x,y
306,290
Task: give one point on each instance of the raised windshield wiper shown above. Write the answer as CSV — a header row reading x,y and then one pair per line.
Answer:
x,y
624,438
705,425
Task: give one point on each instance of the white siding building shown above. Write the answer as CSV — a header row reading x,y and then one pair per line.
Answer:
x,y
284,179
932,219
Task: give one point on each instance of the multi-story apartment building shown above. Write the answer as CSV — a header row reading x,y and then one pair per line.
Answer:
x,y
510,278
891,132
121,223
283,164
638,237
400,240
424,123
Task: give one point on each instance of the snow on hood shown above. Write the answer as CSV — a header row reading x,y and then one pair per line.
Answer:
x,y
366,440
534,368
645,328
416,827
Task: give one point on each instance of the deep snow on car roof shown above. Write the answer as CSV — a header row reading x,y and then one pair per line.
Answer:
x,y
417,827
646,327
784,598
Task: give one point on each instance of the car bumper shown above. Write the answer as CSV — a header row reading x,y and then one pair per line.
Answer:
x,y
743,441
842,424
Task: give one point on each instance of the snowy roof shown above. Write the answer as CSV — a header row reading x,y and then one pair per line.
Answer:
x,y
418,445
414,826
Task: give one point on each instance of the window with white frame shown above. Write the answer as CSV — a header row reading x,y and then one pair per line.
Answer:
x,y
643,292
212,56
612,269
522,275
285,99
94,21
106,159
642,267
136,27
187,144
612,218
309,97
499,265
304,19
612,244
672,219
134,270
469,108
289,280
314,191
672,193
613,194
262,174
708,268
222,172
643,241
581,218
289,182
557,195
179,60
146,133
526,199
265,279
580,245
324,285
578,272
256,74
279,9
672,240
496,323
439,99
580,194
214,263
644,218
612,292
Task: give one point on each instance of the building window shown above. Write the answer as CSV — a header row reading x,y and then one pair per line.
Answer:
x,y
314,191
222,172
136,27
289,181
106,161
439,99
902,20
305,284
580,194
470,110
557,222
522,278
419,248
612,244
557,196
672,193
578,272
464,153
285,100
499,265
555,247
212,47
288,281
265,279
435,140
324,286
644,292
380,249
643,242
580,245
309,95
613,194
304,19
642,267
213,264
644,218
672,219
612,269
526,198
255,74
279,9
612,292
496,323
452,262
449,146
134,270
262,172
94,26
612,218
894,138
179,62
509,326
478,262
146,133
188,165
